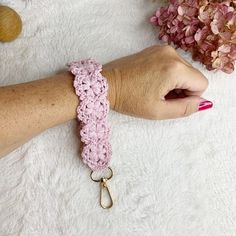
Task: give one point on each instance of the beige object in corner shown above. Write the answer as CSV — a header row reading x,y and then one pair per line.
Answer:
x,y
10,24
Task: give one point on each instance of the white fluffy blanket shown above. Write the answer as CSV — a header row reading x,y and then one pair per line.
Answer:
x,y
171,178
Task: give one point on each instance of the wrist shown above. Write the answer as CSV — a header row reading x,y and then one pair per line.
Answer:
x,y
109,75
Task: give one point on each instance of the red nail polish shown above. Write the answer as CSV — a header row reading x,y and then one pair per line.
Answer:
x,y
205,105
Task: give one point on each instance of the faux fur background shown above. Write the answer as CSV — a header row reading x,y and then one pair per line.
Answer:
x,y
171,178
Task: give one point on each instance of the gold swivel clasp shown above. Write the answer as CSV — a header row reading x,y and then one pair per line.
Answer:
x,y
104,188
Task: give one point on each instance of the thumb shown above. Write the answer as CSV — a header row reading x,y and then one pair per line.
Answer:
x,y
181,107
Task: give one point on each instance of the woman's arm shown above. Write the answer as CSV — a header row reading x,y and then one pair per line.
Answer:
x,y
143,85
29,108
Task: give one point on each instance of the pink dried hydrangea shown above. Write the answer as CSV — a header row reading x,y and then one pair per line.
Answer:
x,y
205,28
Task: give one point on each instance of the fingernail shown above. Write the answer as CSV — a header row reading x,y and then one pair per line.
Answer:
x,y
205,105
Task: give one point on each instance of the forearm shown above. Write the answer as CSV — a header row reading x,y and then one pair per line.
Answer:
x,y
29,108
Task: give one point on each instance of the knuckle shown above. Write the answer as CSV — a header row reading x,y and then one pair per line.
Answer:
x,y
152,48
203,80
175,64
166,49
169,48
155,46
172,66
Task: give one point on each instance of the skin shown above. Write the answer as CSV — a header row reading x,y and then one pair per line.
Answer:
x,y
155,83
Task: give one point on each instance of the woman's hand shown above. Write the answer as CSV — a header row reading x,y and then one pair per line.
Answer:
x,y
155,83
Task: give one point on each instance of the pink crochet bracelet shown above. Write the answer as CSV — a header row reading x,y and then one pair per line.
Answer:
x,y
92,114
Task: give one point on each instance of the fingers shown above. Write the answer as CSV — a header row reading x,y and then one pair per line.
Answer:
x,y
192,81
185,76
184,94
181,107
182,74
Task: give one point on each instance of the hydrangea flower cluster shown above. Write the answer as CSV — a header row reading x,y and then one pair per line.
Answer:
x,y
92,112
206,28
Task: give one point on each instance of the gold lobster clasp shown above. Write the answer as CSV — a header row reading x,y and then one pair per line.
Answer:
x,y
103,188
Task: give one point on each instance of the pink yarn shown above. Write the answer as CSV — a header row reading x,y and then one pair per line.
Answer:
x,y
92,112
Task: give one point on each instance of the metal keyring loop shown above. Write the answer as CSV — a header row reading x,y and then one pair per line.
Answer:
x,y
99,180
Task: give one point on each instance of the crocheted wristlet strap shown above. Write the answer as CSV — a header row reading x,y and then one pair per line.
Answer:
x,y
92,112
